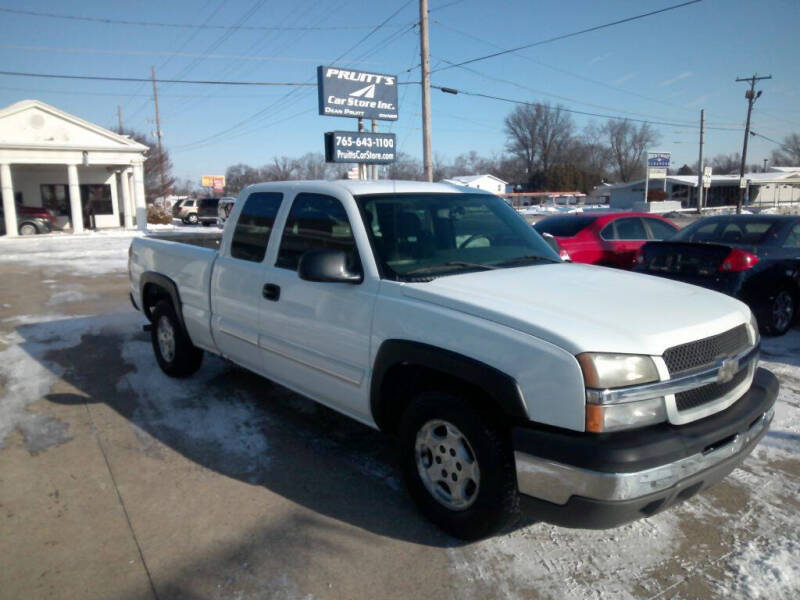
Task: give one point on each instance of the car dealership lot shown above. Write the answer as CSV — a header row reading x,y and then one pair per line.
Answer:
x,y
117,482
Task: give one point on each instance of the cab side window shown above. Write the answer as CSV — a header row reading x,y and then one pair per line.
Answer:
x,y
251,236
316,221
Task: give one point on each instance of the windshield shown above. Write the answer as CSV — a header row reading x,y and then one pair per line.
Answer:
x,y
564,226
425,235
747,231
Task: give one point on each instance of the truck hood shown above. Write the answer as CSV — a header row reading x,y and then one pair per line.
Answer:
x,y
585,308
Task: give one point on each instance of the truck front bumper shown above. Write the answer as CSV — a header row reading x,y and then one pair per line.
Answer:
x,y
598,481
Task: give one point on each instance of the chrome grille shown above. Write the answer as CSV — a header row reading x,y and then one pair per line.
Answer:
x,y
705,352
708,393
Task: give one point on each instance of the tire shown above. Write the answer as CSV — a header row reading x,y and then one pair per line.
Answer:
x,y
192,219
483,459
28,229
780,312
175,353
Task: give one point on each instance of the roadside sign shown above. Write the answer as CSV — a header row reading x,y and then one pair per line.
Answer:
x,y
359,94
707,177
213,181
657,172
742,182
363,147
658,159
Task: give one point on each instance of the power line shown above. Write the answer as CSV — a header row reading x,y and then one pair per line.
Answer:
x,y
769,139
148,80
74,50
450,90
569,35
109,21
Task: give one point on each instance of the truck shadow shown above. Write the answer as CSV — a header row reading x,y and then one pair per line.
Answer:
x,y
236,423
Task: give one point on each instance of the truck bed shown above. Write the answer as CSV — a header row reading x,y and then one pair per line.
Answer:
x,y
209,240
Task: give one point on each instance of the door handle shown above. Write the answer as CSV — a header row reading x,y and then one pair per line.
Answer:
x,y
270,291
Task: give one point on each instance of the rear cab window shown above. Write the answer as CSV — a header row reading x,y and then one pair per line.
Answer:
x,y
253,228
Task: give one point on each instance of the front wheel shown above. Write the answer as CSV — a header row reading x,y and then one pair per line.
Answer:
x,y
175,353
192,219
459,466
28,229
780,312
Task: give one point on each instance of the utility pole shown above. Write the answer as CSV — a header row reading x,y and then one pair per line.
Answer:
x,y
119,119
158,135
425,63
700,162
751,96
362,167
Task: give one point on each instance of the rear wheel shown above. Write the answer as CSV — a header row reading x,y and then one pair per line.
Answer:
x,y
175,353
459,466
28,229
780,312
192,219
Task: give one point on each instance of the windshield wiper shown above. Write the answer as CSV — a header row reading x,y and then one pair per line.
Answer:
x,y
454,263
525,259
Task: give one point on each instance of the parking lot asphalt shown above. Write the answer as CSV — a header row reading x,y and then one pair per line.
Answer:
x,y
118,482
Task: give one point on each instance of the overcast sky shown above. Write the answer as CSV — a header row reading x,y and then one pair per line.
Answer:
x,y
663,68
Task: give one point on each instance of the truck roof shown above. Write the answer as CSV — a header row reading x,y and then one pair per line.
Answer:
x,y
357,187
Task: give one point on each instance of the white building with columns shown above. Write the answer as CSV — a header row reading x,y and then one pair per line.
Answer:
x,y
74,168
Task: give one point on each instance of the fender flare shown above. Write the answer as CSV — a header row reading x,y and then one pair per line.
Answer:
x,y
501,388
169,286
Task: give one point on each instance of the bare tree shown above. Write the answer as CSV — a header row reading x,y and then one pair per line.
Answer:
x,y
538,135
726,164
627,145
312,165
152,167
282,168
789,154
405,167
238,177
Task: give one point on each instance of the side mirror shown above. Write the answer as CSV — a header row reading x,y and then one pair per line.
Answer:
x,y
328,266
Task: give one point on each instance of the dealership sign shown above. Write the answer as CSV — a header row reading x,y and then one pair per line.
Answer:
x,y
360,147
359,94
658,159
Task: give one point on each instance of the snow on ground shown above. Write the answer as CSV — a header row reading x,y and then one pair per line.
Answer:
x,y
756,555
89,254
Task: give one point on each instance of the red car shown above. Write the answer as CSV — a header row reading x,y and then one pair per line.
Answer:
x,y
608,239
37,212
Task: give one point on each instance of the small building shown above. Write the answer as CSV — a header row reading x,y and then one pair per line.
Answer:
x,y
83,173
552,198
761,190
490,183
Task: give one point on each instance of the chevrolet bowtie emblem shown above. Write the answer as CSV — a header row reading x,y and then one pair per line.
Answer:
x,y
729,368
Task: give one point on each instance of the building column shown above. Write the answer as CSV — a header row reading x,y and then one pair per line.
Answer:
x,y
75,199
138,195
9,208
127,205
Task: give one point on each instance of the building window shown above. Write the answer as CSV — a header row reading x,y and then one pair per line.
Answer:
x,y
96,199
56,198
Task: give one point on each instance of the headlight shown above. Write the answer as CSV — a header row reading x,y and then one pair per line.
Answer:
x,y
601,418
602,371
753,327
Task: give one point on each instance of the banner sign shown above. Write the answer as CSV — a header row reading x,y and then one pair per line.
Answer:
x,y
213,181
658,159
360,147
359,94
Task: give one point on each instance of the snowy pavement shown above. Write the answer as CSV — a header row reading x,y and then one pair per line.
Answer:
x,y
118,482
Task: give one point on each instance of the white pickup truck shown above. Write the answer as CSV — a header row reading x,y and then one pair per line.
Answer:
x,y
589,395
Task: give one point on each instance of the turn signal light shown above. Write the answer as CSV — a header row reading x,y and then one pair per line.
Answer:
x,y
737,261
